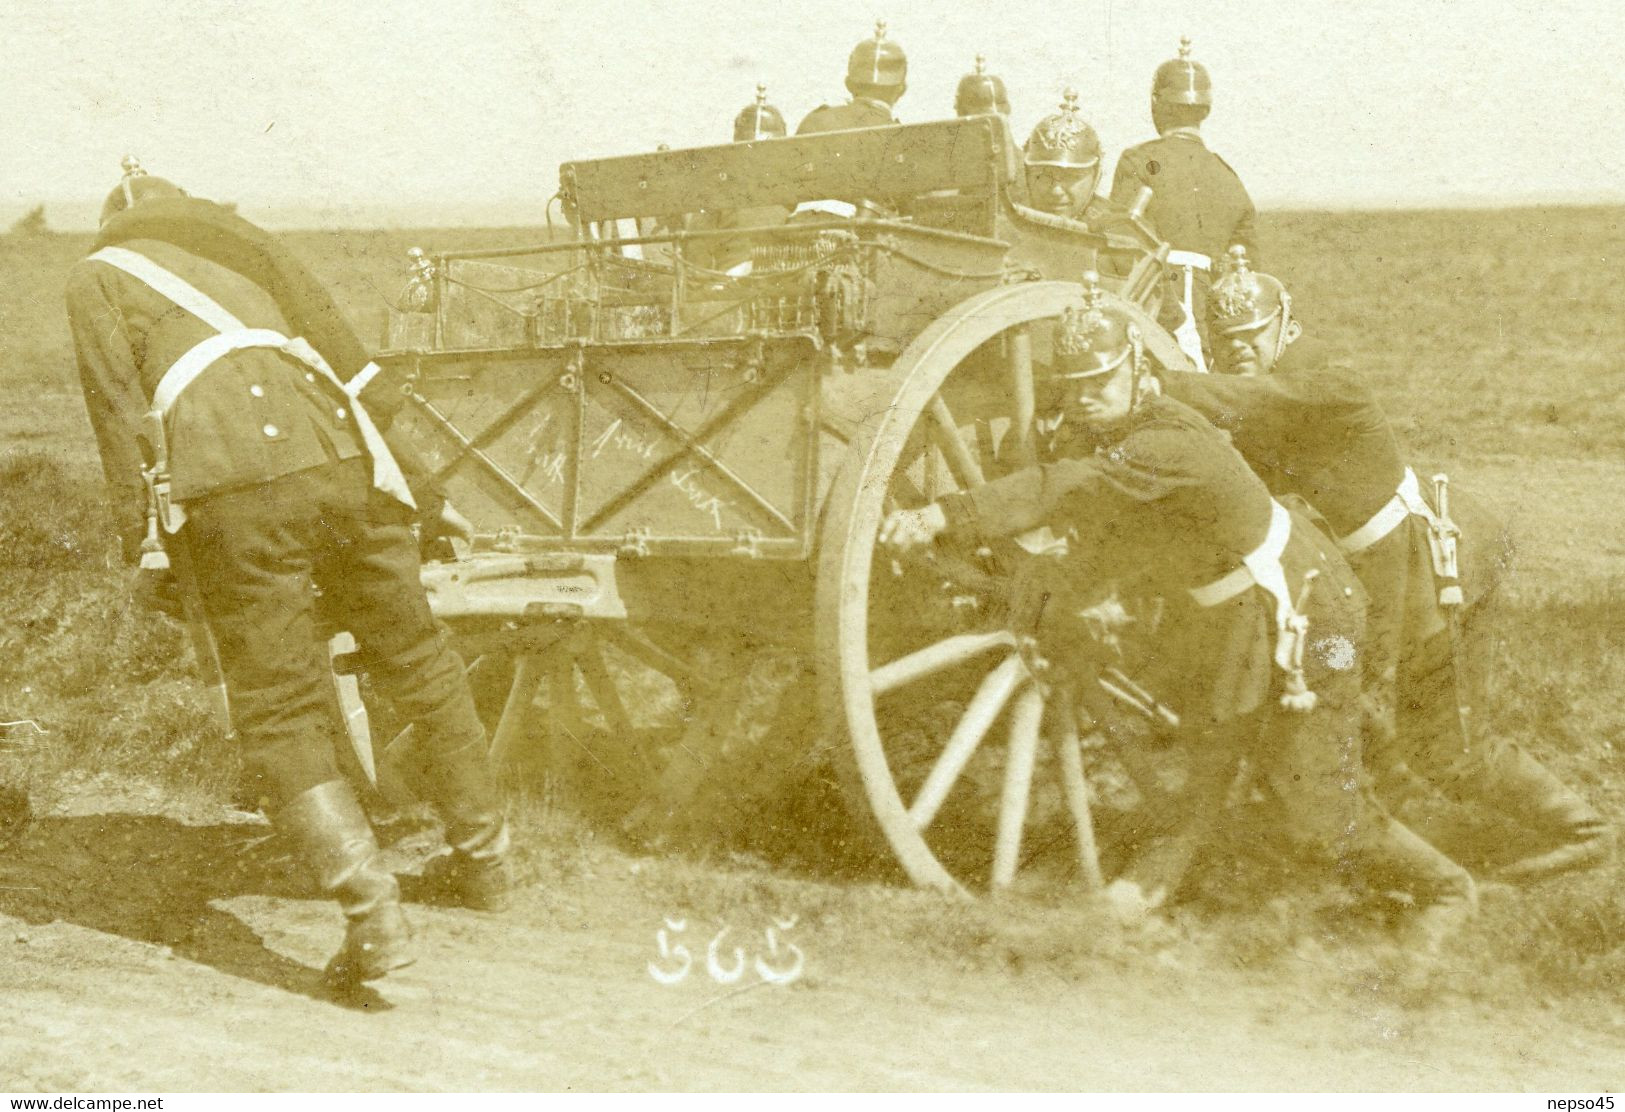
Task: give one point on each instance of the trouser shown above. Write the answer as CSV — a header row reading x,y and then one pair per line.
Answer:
x,y
259,556
1311,762
1427,733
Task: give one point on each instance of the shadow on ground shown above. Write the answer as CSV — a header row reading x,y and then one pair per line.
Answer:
x,y
152,879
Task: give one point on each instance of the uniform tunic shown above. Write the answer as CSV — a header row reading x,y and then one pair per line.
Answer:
x,y
1165,504
279,500
1309,428
1197,202
855,113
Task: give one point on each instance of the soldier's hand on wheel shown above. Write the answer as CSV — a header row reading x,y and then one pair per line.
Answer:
x,y
158,590
909,529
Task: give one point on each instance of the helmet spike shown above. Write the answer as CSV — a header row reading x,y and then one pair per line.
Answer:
x,y
1069,100
880,29
981,64
131,165
761,93
1184,46
1093,295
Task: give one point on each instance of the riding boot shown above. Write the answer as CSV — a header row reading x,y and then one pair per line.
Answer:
x,y
1567,832
1391,856
333,836
476,874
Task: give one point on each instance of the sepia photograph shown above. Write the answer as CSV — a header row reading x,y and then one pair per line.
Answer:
x,y
552,546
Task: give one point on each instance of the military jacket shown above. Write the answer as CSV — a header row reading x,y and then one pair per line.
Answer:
x,y
1197,202
253,416
1163,505
1308,428
855,113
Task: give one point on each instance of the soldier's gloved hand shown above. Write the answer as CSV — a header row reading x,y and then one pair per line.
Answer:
x,y
157,589
909,529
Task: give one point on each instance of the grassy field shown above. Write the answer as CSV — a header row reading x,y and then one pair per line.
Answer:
x,y
1495,338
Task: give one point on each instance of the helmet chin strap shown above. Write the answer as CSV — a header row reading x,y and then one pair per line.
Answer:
x,y
1137,365
1290,329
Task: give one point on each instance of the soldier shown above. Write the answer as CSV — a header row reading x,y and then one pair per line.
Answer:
x,y
876,76
731,255
758,120
1198,204
1153,498
1062,164
1312,430
981,93
224,389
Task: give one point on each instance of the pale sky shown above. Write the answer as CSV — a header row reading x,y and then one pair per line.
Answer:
x,y
436,107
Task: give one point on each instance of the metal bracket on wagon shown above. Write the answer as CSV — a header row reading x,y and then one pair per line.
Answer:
x,y
498,585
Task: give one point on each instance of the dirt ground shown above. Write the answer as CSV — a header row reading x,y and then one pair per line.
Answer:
x,y
162,949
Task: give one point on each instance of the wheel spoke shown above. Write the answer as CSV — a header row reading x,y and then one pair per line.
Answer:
x,y
515,721
972,727
1025,718
1018,442
966,471
1076,789
934,658
602,686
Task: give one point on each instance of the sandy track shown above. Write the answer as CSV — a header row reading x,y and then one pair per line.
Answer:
x,y
159,956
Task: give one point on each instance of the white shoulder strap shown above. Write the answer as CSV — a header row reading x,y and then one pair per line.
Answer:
x,y
170,285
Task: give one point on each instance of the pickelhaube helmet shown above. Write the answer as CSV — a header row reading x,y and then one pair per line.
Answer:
x,y
1182,81
877,61
1063,139
1093,338
759,121
136,185
981,93
1241,299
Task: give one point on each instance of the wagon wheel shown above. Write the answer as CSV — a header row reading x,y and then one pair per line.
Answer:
x,y
588,704
918,688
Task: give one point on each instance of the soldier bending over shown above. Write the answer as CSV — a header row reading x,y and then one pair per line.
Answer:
x,y
1154,498
1315,431
217,371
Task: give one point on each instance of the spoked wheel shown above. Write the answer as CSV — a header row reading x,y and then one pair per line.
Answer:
x,y
588,706
953,674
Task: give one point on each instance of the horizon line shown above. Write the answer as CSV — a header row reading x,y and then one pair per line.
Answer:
x,y
290,215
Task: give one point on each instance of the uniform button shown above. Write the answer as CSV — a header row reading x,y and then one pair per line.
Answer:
x,y
310,376
270,430
340,413
1348,592
257,390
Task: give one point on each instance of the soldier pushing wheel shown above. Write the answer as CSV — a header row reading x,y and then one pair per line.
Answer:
x,y
1154,499
1312,429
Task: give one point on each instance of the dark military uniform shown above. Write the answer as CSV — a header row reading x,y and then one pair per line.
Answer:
x,y
1167,507
855,113
284,489
1198,205
1311,429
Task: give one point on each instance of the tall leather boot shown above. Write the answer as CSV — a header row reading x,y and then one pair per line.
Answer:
x,y
1392,855
334,837
1569,833
476,874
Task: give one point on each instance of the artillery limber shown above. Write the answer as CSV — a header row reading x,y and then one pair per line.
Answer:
x,y
678,429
